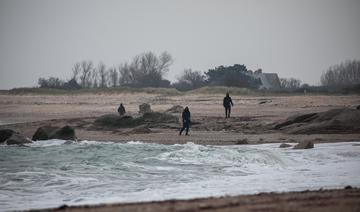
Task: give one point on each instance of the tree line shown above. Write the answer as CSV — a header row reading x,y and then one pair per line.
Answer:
x,y
148,70
342,75
145,70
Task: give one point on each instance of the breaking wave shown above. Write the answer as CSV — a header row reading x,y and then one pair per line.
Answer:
x,y
56,172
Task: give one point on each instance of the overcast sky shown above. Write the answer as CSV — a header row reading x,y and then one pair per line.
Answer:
x,y
301,39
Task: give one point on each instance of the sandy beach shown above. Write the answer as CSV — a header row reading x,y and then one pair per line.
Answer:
x,y
252,122
252,118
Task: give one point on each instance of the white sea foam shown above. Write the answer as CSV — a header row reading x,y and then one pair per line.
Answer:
x,y
91,172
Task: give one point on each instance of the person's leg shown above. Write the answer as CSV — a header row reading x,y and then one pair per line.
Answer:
x,y
187,128
182,129
226,112
229,112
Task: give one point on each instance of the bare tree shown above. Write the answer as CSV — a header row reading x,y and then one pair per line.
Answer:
x,y
76,70
113,76
85,77
147,69
103,75
342,75
94,78
125,74
190,80
165,61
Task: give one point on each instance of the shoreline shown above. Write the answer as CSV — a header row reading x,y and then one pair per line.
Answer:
x,y
345,199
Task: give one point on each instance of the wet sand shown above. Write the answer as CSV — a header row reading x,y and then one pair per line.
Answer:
x,y
339,200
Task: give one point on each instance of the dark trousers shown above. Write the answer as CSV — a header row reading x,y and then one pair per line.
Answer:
x,y
227,112
186,126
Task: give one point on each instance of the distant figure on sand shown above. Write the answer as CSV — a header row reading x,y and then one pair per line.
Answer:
x,y
227,105
121,110
186,121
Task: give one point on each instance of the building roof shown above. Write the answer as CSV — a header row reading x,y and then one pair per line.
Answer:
x,y
269,81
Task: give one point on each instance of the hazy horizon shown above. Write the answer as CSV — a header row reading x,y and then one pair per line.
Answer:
x,y
299,39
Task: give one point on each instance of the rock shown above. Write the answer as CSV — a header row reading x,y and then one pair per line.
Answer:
x,y
121,110
338,121
144,108
5,134
11,137
348,187
50,132
64,133
304,145
17,139
152,119
242,141
175,109
43,133
113,120
142,129
284,145
157,118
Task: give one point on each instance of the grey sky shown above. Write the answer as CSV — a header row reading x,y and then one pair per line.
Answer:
x,y
42,38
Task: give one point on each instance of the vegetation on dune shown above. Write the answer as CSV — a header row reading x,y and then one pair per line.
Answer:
x,y
145,74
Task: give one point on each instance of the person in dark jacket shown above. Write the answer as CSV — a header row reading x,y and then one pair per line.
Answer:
x,y
186,121
121,110
227,105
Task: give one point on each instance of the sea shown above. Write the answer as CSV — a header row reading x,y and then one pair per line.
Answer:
x,y
52,173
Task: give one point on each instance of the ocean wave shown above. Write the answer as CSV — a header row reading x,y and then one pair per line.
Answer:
x,y
89,172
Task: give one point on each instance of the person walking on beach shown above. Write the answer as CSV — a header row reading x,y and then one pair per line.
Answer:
x,y
121,110
185,120
227,105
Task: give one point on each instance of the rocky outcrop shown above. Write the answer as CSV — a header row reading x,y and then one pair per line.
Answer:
x,y
343,120
304,145
50,132
17,139
157,118
175,109
11,137
152,119
285,145
112,120
5,134
142,129
144,108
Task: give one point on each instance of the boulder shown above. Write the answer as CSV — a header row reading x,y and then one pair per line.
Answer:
x,y
144,108
17,139
284,145
43,133
5,134
242,141
175,109
157,118
64,133
11,137
304,145
50,132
